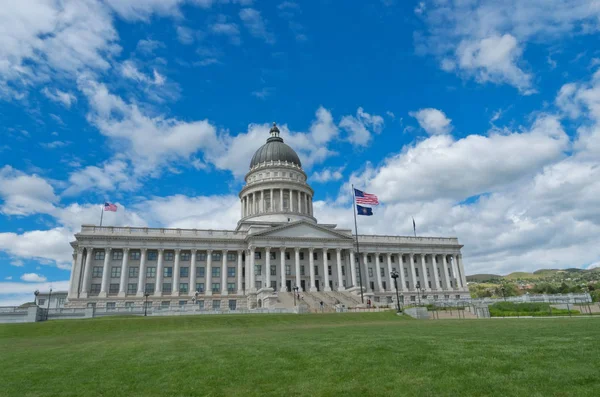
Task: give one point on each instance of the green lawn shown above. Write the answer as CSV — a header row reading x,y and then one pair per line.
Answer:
x,y
368,354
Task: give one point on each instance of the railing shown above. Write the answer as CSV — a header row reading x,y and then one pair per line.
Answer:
x,y
364,238
146,231
12,309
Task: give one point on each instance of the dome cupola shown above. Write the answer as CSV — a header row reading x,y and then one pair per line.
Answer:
x,y
275,150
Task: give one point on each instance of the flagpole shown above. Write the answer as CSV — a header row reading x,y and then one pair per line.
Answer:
x,y
362,299
414,227
101,215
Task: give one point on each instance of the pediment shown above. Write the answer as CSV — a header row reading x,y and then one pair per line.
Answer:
x,y
303,230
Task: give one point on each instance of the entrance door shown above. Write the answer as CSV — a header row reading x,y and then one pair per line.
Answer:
x,y
317,284
303,285
288,284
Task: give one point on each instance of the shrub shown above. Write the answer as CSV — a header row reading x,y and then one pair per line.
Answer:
x,y
510,309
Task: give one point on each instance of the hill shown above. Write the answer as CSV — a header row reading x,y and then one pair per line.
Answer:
x,y
542,275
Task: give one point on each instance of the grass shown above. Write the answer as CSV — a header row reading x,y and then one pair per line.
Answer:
x,y
367,354
540,309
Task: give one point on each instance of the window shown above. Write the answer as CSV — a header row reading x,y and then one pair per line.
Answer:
x,y
97,271
216,256
343,271
183,288
168,272
418,284
440,283
117,254
165,304
216,287
302,256
457,296
273,270
407,285
258,285
216,305
95,289
446,296
316,270
257,270
257,255
166,288
429,282
273,255
413,298
427,272
113,289
439,273
115,271
329,270
134,271
315,255
384,285
382,271
42,301
111,305
232,304
135,255
231,288
152,255
405,272
169,256
149,288
393,259
200,271
201,305
302,270
380,258
231,272
182,303
231,256
450,283
287,256
185,256
403,259
417,271
369,258
150,272
288,270
393,269
99,255
201,256
131,288
328,256
184,272
200,288
128,305
61,301
216,272
370,272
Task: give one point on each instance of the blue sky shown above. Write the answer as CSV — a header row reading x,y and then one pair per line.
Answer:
x,y
477,118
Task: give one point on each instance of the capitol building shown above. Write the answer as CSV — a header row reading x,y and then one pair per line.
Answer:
x,y
277,249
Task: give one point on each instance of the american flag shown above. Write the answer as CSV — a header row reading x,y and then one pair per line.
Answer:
x,y
365,198
110,207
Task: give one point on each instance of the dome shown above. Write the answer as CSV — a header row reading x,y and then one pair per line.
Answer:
x,y
275,150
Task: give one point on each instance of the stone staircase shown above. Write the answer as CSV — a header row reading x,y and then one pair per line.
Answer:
x,y
285,300
313,299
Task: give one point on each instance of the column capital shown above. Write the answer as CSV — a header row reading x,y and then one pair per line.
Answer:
x,y
297,249
193,250
80,249
240,252
161,250
125,250
311,249
209,252
224,252
143,249
267,249
282,249
325,249
177,250
338,249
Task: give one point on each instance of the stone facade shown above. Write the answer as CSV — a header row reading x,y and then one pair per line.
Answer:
x,y
277,236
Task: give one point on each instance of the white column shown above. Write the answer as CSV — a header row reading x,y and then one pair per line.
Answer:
x,y
175,287
87,273
461,268
272,203
378,272
240,279
402,276
424,271
124,275
311,263
282,269
224,290
338,258
192,281
366,267
445,273
281,200
252,286
142,273
326,287
456,278
389,266
76,258
159,272
267,277
105,273
208,273
434,268
297,262
353,268
299,202
413,276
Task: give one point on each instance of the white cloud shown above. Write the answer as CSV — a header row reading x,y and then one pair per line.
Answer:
x,y
110,176
17,263
185,35
24,194
256,25
433,121
327,174
361,126
65,98
33,277
130,71
263,93
55,144
485,39
229,29
17,293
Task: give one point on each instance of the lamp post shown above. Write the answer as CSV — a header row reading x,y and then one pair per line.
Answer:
x,y
295,293
146,294
503,289
48,310
395,276
36,293
422,293
419,295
